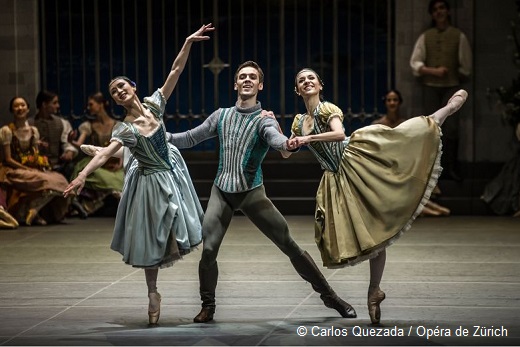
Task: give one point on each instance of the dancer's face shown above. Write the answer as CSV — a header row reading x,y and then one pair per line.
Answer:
x,y
248,82
52,107
308,83
440,12
20,108
392,102
94,107
121,91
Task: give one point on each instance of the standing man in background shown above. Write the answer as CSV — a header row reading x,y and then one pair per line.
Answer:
x,y
442,58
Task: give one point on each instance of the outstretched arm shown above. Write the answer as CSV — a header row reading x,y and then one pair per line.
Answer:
x,y
190,138
289,146
92,150
99,159
182,57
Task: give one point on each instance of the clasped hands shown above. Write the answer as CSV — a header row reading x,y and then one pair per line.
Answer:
x,y
297,142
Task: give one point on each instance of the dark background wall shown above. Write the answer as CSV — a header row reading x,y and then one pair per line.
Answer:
x,y
486,23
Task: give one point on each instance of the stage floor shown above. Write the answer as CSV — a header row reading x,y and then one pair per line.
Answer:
x,y
62,285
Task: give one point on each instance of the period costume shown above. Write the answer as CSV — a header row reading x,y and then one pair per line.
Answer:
x,y
449,48
245,137
40,188
159,215
55,131
374,184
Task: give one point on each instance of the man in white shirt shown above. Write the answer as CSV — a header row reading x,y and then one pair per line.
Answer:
x,y
442,58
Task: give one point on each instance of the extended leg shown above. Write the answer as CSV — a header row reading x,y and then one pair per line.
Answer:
x,y
270,221
454,104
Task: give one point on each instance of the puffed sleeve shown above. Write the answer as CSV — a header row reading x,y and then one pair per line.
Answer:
x,y
85,128
123,134
295,127
328,111
6,135
156,102
36,133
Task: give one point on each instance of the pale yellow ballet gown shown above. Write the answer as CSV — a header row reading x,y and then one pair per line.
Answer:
x,y
374,185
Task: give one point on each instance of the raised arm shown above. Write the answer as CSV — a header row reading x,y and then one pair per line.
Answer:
x,y
182,57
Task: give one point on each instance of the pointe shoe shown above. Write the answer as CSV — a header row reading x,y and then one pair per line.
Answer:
x,y
457,100
205,315
441,209
428,211
89,150
340,305
154,303
373,302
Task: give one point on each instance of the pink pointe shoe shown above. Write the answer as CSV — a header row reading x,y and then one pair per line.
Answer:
x,y
154,308
457,100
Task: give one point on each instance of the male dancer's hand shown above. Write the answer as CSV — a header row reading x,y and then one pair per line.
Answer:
x,y
292,144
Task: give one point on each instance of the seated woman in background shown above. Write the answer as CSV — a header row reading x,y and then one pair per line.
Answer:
x,y
393,101
35,191
97,131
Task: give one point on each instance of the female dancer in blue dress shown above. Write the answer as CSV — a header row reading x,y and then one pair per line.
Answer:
x,y
159,215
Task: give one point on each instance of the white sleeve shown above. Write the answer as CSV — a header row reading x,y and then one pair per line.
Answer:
x,y
66,145
465,56
418,56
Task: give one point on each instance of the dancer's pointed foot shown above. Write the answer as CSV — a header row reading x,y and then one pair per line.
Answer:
x,y
154,308
374,300
457,100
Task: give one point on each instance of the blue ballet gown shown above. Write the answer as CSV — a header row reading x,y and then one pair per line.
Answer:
x,y
159,217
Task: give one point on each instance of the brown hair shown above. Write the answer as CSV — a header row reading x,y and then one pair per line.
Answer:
x,y
132,83
252,64
317,76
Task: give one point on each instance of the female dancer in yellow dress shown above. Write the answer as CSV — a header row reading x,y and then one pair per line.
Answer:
x,y
375,183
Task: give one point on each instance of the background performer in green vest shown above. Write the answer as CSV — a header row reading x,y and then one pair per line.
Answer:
x,y
442,58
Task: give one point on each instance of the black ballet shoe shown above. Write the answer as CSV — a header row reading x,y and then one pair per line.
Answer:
x,y
340,305
205,315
